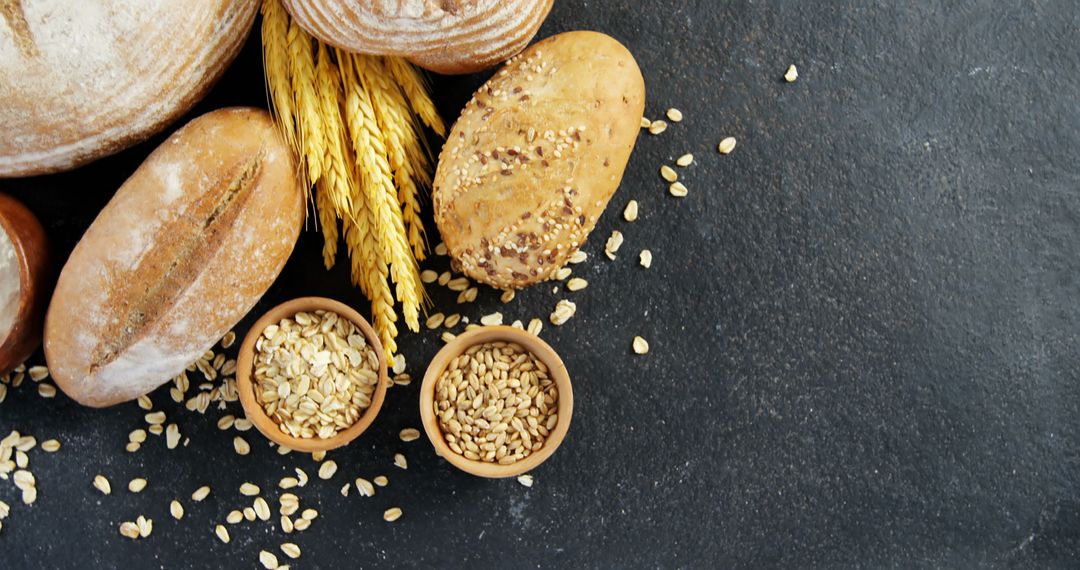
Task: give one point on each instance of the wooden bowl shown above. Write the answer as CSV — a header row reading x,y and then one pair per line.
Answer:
x,y
458,346
35,282
245,369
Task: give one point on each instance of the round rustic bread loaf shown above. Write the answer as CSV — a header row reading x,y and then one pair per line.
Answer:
x,y
535,157
181,253
444,36
84,79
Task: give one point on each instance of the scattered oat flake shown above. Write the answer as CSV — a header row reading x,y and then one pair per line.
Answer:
x,y
102,484
674,115
563,311
645,258
399,363
176,509
129,529
493,319
201,493
726,146
262,509
381,481
613,244
578,257
400,461
409,434
440,249
228,339
631,211
145,403
46,390
791,74
507,296
641,346
645,122
535,326
668,173
240,445
50,445
428,276
392,514
677,189
291,550
146,526
222,533
562,273
684,160
364,487
38,373
327,469
234,517
249,489
435,321
657,127
172,436
136,485
576,284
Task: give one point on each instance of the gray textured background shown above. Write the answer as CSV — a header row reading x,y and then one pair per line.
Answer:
x,y
863,325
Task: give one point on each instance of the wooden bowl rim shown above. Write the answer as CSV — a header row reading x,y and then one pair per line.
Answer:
x,y
255,412
532,343
20,342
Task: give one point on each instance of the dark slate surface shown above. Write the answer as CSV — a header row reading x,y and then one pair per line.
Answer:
x,y
863,325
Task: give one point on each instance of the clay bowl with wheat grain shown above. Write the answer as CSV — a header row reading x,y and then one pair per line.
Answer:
x,y
245,369
531,343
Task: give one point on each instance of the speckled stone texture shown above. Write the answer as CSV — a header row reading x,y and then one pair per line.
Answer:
x,y
863,325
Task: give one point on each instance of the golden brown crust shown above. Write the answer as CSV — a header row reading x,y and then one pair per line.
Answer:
x,y
444,36
183,250
535,156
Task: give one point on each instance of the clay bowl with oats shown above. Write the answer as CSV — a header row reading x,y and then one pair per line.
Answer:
x,y
543,353
245,370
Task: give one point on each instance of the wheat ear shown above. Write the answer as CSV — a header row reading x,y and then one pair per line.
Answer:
x,y
306,103
275,30
415,87
397,127
377,183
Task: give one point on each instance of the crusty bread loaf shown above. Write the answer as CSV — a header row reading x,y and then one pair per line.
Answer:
x,y
180,254
535,156
445,36
83,79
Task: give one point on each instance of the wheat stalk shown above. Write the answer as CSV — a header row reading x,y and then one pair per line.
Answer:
x,y
377,183
336,186
308,121
395,122
354,126
415,88
275,30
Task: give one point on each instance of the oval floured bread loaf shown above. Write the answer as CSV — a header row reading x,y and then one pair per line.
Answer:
x,y
180,254
84,79
444,36
535,156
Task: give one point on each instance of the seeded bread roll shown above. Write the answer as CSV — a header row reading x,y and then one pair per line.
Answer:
x,y
535,156
444,36
82,79
180,254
